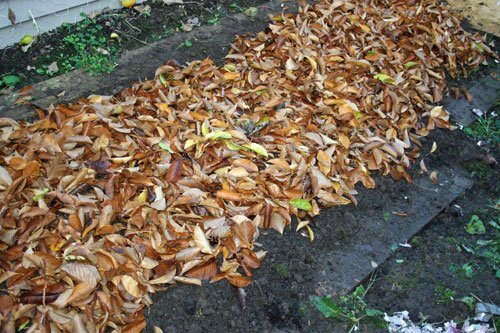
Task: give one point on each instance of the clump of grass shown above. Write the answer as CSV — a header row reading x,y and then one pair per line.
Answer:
x,y
485,128
444,294
478,169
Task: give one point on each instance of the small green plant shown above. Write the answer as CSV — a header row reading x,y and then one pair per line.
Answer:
x,y
415,241
487,249
282,270
234,6
467,270
387,216
351,308
444,294
9,80
214,19
187,43
486,128
469,301
475,226
478,169
86,46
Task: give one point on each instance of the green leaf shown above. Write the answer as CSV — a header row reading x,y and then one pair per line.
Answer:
x,y
410,64
11,80
23,325
301,204
39,194
188,43
480,47
230,67
256,148
475,226
25,40
163,80
469,301
215,135
327,307
494,224
233,146
165,146
359,291
384,78
468,270
374,313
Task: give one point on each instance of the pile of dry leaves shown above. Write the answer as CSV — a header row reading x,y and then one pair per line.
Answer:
x,y
115,197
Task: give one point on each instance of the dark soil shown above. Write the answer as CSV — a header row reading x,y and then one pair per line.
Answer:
x,y
134,28
438,254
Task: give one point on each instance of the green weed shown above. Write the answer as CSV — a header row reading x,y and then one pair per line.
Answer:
x,y
486,249
444,294
387,217
351,308
234,6
214,19
9,80
486,128
282,270
186,43
478,169
469,301
475,226
86,47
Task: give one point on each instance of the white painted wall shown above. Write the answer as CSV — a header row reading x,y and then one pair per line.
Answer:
x,y
48,14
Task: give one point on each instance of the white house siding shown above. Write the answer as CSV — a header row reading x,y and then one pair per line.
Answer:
x,y
48,14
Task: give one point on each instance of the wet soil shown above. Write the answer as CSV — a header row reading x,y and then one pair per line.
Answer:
x,y
135,29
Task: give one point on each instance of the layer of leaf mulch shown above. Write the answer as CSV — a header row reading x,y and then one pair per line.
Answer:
x,y
114,197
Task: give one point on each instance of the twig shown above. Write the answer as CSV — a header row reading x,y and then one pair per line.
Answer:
x,y
133,27
141,41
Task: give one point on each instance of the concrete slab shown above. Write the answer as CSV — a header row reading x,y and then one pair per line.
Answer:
x,y
485,92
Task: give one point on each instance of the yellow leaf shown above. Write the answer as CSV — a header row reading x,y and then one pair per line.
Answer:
x,y
201,240
256,148
310,232
189,143
131,286
143,196
344,140
231,76
128,3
